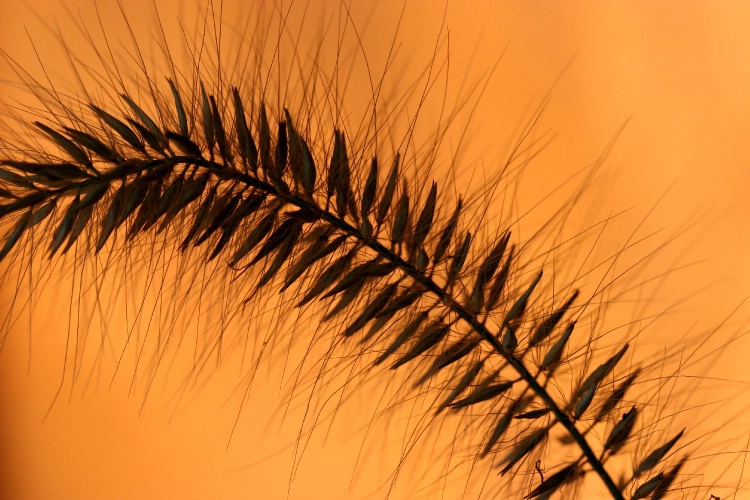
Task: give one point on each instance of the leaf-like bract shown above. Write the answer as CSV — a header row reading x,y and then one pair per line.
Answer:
x,y
523,448
657,455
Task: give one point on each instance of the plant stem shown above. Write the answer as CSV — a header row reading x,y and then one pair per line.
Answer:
x,y
221,172
472,320
483,332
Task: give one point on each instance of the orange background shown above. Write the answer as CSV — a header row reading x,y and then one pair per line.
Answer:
x,y
676,72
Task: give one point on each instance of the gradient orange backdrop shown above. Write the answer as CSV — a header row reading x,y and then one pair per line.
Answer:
x,y
676,74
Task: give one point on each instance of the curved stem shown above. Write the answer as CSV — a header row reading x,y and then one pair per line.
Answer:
x,y
224,173
464,314
483,332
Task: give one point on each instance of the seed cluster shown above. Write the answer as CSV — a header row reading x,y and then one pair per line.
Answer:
x,y
394,268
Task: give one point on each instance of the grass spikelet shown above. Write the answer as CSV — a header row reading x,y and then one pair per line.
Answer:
x,y
657,455
523,448
553,482
555,353
121,128
430,337
483,392
585,394
152,132
245,142
662,489
390,189
502,425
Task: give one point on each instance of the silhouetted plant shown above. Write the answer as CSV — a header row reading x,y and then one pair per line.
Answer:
x,y
392,262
